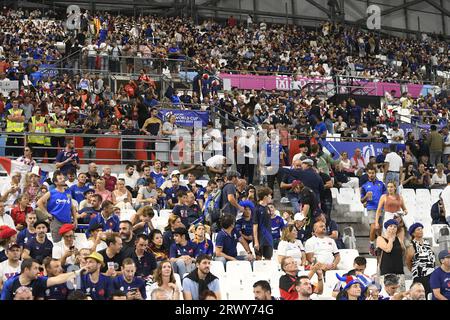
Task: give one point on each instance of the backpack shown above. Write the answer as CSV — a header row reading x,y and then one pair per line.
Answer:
x,y
214,207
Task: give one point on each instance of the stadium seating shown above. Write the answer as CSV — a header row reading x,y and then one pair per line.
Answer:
x,y
238,267
347,257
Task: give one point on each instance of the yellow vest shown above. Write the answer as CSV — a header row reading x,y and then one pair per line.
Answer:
x,y
12,126
38,127
56,130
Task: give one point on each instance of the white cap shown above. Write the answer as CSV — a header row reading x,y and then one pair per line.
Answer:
x,y
299,216
174,172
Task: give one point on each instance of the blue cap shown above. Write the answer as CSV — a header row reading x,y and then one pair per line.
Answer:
x,y
390,222
247,204
413,227
443,254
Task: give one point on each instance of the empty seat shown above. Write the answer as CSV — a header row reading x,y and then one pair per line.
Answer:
x,y
347,258
80,240
423,194
240,293
435,193
334,192
345,196
408,193
371,266
217,268
165,213
268,266
127,214
250,279
238,267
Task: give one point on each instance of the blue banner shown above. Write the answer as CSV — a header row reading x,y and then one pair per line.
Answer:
x,y
368,149
185,118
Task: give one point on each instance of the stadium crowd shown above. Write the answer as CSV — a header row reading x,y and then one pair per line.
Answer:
x,y
96,235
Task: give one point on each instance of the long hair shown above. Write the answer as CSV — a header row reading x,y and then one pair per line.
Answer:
x,y
157,274
171,221
286,232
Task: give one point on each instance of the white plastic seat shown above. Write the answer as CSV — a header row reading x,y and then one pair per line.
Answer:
x,y
435,193
80,240
127,214
423,195
217,268
250,279
334,192
267,266
345,196
165,213
203,183
408,194
238,267
330,282
371,266
240,293
347,258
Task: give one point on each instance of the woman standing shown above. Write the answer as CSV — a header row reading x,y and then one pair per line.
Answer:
x,y
420,258
290,246
391,202
169,130
164,278
392,249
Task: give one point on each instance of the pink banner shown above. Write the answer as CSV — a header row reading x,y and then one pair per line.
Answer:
x,y
358,87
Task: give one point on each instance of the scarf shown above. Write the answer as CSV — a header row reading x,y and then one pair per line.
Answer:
x,y
202,283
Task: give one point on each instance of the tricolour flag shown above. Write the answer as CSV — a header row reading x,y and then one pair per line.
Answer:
x,y
13,166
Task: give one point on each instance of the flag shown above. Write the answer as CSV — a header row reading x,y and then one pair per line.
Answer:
x,y
13,166
39,172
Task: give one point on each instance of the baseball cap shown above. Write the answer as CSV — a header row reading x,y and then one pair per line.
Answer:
x,y
299,216
174,172
308,161
444,254
12,245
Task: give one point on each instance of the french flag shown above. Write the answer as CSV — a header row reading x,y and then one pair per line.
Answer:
x,y
13,166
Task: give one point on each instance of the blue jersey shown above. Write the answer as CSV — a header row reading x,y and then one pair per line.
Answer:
x,y
38,250
171,193
24,236
112,223
228,242
205,247
37,286
60,205
245,226
58,292
378,189
277,225
119,283
177,250
440,280
101,290
78,192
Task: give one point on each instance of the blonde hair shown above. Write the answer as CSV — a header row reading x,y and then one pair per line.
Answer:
x,y
285,234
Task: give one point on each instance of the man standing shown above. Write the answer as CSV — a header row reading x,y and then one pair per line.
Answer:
x,y
230,204
200,280
68,158
11,267
129,144
446,152
29,277
57,204
323,248
56,124
37,125
93,283
440,278
436,145
393,164
262,227
371,192
15,120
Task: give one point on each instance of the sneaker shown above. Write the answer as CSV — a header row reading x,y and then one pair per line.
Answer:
x,y
372,251
284,200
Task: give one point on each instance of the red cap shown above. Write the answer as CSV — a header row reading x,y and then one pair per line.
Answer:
x,y
6,232
65,228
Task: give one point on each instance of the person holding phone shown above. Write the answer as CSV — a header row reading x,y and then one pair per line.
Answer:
x,y
66,249
129,283
68,158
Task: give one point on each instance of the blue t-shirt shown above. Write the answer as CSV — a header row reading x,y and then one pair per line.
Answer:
x,y
244,226
205,247
227,242
101,290
24,236
58,292
78,192
378,189
60,205
119,283
440,280
320,128
277,224
63,156
261,217
37,286
171,193
177,250
112,223
276,148
38,250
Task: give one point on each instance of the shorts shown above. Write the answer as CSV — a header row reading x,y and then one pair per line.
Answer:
x,y
265,251
372,214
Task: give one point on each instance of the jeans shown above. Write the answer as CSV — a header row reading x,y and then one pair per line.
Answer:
x,y
181,268
89,153
91,62
435,157
295,202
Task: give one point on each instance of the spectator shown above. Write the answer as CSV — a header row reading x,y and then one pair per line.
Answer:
x,y
304,288
130,178
121,197
200,279
10,267
290,246
110,181
68,158
95,284
39,246
182,252
129,283
436,145
352,291
156,246
322,248
277,225
101,190
173,223
230,204
164,280
112,255
416,292
128,237
226,242
11,191
392,248
262,290
77,190
439,280
107,219
420,258
53,268
29,232
142,220
439,180
65,250
371,193
144,261
15,120
391,202
19,211
438,213
262,235
332,230
6,219
203,245
245,224
393,165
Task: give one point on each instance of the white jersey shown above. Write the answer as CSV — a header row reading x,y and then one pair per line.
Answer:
x,y
7,271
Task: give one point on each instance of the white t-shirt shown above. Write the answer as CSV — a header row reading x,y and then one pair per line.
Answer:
x,y
216,144
215,161
12,197
7,271
249,142
323,249
291,249
129,181
59,248
154,286
7,220
394,160
398,133
90,243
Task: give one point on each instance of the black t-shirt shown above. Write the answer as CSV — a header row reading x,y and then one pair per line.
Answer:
x,y
128,247
117,260
326,193
144,265
308,197
38,287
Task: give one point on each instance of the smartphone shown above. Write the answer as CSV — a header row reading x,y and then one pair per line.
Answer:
x,y
72,248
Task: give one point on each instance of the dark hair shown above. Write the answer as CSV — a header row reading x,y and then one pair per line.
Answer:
x,y
227,221
391,280
297,281
142,236
128,261
111,238
128,166
207,293
56,174
181,194
433,127
265,285
77,295
99,198
127,222
202,257
360,261
152,234
27,264
106,204
448,178
393,148
263,192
